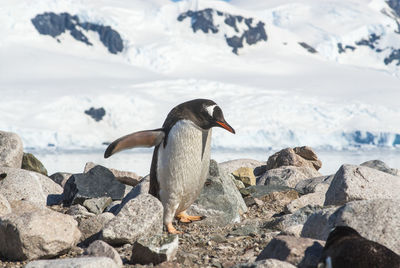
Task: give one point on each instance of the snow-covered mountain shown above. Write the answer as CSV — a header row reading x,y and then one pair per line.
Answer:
x,y
77,74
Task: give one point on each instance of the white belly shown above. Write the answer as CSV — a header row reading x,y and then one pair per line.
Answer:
x,y
181,167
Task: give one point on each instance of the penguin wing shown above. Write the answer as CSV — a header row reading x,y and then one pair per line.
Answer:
x,y
146,138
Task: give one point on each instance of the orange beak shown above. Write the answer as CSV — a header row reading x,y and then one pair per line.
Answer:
x,y
226,126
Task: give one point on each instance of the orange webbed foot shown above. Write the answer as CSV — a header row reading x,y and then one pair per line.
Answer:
x,y
171,229
185,218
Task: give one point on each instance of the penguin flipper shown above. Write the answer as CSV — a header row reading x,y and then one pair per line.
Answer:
x,y
146,138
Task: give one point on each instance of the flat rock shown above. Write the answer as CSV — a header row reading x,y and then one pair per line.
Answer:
x,y
83,262
298,156
11,150
220,201
381,166
61,178
232,165
377,220
268,263
26,185
361,183
98,182
314,199
125,177
155,249
299,251
97,205
31,163
101,249
308,186
139,217
285,222
287,175
245,175
31,232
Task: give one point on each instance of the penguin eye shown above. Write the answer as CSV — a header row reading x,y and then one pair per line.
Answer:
x,y
217,114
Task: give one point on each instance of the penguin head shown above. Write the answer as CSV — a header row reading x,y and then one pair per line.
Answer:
x,y
204,113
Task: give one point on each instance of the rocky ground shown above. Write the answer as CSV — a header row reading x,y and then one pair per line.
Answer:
x,y
277,213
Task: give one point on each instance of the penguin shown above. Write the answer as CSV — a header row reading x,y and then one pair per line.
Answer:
x,y
181,156
346,248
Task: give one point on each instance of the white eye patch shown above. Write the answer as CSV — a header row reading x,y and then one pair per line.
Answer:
x,y
210,109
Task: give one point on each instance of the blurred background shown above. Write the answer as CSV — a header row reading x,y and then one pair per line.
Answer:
x,y
76,75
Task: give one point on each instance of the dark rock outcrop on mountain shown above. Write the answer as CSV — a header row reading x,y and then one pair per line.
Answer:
x,y
395,5
205,20
96,113
53,24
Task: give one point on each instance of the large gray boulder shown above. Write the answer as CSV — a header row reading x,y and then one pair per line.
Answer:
x,y
299,251
377,220
97,182
32,232
139,217
125,177
309,185
85,262
20,184
287,176
381,166
11,150
361,183
317,198
220,201
5,207
142,188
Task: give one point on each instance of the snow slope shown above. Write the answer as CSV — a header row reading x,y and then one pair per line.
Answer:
x,y
274,93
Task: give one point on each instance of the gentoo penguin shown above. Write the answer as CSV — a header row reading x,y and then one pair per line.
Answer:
x,y
181,155
346,248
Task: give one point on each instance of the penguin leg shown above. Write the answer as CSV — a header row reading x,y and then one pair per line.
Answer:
x,y
183,217
171,229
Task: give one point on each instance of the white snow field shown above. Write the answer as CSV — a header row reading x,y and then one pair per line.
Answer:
x,y
275,94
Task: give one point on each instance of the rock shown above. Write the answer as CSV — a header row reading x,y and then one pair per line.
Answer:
x,y
31,232
245,230
220,201
298,157
285,222
114,207
245,175
314,199
125,177
79,211
268,263
277,196
276,201
361,183
299,251
5,207
381,166
96,113
91,227
26,185
60,178
377,220
155,249
31,163
98,182
11,150
83,262
101,249
232,165
53,24
139,217
308,186
97,205
142,188
239,184
287,175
